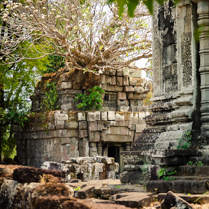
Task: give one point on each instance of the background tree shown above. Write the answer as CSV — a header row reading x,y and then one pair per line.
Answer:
x,y
17,81
89,35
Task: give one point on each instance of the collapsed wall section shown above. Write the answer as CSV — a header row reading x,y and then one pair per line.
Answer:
x,y
68,132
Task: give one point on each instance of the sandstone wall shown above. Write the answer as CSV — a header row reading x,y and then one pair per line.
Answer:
x,y
86,168
68,132
60,135
175,102
122,91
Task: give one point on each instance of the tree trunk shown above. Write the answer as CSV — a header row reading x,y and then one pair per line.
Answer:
x,y
1,121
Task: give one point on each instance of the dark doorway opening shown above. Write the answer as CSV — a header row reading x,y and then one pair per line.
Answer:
x,y
114,151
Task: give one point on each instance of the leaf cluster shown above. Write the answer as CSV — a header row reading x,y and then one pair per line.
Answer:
x,y
166,174
55,62
92,100
197,163
186,141
50,101
132,5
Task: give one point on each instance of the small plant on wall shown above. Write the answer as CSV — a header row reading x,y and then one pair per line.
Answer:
x,y
91,100
51,97
186,141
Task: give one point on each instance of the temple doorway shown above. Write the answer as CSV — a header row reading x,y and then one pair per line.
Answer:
x,y
114,151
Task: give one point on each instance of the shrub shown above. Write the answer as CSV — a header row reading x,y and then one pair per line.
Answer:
x,y
92,100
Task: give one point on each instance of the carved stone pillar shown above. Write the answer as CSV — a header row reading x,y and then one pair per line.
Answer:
x,y
100,150
93,149
203,24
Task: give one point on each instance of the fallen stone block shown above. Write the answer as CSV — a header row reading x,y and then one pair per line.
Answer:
x,y
29,174
172,200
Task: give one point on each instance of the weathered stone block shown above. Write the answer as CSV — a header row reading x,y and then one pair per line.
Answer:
x,y
94,136
134,117
102,125
140,127
121,95
84,147
126,81
82,125
139,89
71,124
115,138
118,131
103,79
72,115
111,115
59,124
112,72
58,115
123,103
93,149
68,106
136,96
92,116
104,115
120,81
65,85
83,133
113,88
93,126
81,116
124,108
120,73
136,81
132,127
129,89
119,116
122,123
113,80
69,149
127,116
61,133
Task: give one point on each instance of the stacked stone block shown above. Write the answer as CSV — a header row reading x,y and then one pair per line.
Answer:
x,y
61,135
122,92
86,168
68,132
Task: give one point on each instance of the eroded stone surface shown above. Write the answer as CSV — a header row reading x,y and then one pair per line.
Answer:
x,y
86,168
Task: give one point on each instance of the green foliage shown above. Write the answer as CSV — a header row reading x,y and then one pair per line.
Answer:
x,y
51,97
190,163
77,189
18,81
165,174
8,144
186,141
132,4
198,163
92,100
55,62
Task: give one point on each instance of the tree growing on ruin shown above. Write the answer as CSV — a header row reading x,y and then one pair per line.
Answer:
x,y
89,34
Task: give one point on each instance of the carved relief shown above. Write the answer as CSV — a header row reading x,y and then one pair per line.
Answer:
x,y
170,78
186,59
166,28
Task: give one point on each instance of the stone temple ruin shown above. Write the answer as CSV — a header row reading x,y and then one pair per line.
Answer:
x,y
177,128
69,133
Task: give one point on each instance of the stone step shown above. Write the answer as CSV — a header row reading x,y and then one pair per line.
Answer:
x,y
192,170
190,178
192,186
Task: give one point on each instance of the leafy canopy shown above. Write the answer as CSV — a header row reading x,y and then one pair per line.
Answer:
x,y
131,5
